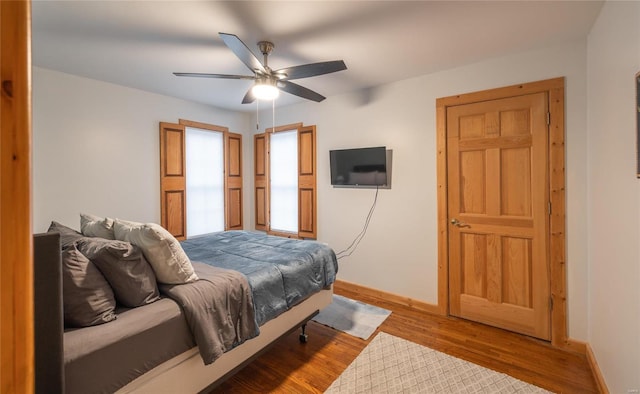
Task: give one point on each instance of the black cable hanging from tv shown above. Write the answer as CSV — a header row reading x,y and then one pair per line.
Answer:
x,y
351,248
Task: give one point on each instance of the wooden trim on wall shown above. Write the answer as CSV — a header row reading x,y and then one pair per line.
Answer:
x,y
507,91
554,88
559,334
576,346
287,127
595,370
395,298
443,224
16,238
203,126
284,234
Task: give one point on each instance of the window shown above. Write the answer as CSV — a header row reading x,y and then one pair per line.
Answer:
x,y
205,181
175,169
285,181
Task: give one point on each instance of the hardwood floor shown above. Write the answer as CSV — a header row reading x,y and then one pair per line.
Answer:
x,y
292,367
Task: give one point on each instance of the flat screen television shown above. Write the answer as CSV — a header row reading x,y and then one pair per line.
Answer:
x,y
359,167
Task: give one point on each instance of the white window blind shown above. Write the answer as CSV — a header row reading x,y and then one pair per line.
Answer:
x,y
283,173
205,181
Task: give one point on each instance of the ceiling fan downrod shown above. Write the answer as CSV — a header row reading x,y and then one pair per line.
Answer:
x,y
265,47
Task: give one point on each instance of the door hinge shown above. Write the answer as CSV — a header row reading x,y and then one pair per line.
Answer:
x,y
549,207
548,118
550,303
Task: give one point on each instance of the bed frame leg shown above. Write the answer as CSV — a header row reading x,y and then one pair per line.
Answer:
x,y
303,336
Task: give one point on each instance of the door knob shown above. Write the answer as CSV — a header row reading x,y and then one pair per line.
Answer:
x,y
458,223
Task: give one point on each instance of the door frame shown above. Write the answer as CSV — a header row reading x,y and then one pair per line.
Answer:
x,y
17,369
554,88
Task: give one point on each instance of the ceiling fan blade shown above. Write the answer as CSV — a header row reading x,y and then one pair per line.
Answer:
x,y
311,70
249,97
242,52
300,91
223,76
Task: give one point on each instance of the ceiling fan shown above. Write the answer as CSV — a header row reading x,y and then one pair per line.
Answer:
x,y
268,81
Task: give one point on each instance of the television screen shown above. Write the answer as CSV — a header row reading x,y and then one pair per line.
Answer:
x,y
359,167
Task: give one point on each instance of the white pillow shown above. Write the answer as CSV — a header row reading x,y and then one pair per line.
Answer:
x,y
95,226
170,263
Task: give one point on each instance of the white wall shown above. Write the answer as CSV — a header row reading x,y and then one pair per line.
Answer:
x,y
614,195
96,147
399,252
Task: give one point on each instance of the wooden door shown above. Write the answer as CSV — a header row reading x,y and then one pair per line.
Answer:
x,y
498,208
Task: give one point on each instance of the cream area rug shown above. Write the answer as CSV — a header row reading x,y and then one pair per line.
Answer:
x,y
393,365
353,317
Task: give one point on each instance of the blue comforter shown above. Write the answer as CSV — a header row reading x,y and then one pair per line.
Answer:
x,y
281,272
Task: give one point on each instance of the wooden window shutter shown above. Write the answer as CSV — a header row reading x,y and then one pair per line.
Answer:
x,y
173,191
261,191
307,206
233,181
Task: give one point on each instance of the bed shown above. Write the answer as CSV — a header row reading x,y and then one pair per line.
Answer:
x,y
151,348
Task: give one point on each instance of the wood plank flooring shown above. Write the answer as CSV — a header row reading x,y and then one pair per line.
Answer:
x,y
292,367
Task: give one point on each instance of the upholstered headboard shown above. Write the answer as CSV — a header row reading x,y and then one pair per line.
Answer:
x,y
48,319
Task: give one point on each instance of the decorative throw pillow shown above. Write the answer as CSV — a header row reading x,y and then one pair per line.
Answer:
x,y
67,235
86,296
162,250
95,226
124,267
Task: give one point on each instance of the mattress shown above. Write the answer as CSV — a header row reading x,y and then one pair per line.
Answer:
x,y
108,356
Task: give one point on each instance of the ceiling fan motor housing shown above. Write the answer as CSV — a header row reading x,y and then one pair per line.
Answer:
x,y
266,47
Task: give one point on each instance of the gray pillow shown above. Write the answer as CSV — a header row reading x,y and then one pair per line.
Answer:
x,y
68,236
86,296
125,268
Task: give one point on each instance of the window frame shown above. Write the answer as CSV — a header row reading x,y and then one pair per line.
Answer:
x,y
289,157
173,202
307,181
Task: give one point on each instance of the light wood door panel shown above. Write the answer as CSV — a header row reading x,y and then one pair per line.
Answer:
x,y
498,194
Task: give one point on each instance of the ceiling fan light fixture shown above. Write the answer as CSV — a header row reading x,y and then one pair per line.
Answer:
x,y
265,91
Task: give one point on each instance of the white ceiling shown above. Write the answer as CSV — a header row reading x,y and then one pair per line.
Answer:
x,y
140,43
